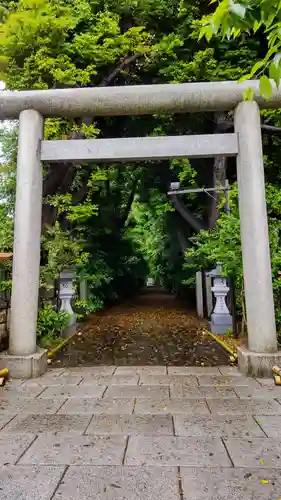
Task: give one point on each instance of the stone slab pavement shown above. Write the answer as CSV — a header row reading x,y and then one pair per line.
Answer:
x,y
140,433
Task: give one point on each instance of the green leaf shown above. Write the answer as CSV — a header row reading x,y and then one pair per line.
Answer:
x,y
248,94
244,78
265,87
277,59
255,68
257,25
206,32
238,9
275,73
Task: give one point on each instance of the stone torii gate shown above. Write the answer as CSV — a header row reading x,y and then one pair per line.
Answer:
x,y
31,107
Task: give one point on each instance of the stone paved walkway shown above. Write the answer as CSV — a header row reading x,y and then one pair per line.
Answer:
x,y
140,433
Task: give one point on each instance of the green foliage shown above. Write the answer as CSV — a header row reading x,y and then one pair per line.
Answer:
x,y
63,251
113,225
148,230
235,19
223,244
50,324
47,43
6,230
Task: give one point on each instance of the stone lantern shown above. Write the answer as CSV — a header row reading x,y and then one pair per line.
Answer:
x,y
221,319
66,293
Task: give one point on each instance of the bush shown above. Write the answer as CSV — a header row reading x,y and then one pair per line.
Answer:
x,y
50,323
223,244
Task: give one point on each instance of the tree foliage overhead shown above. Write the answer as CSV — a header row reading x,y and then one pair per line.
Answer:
x,y
245,18
114,223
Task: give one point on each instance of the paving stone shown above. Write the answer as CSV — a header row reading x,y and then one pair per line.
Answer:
x,y
5,418
183,391
266,381
47,378
21,391
13,446
131,425
86,371
168,379
45,381
193,370
230,371
128,409
173,406
75,450
55,372
12,383
119,483
29,483
91,405
70,391
141,370
49,424
244,406
110,380
175,451
138,391
270,424
265,392
230,484
12,404
233,381
49,406
257,452
217,426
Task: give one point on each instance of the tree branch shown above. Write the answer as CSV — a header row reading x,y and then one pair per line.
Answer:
x,y
194,222
270,129
79,195
129,202
128,60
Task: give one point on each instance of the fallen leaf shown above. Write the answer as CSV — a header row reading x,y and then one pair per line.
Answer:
x,y
156,330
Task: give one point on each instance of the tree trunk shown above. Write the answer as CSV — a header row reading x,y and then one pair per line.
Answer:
x,y
194,222
219,173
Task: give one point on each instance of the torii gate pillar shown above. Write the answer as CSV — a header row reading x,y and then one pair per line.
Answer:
x,y
24,359
262,340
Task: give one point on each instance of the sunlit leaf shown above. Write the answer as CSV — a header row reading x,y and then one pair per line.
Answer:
x,y
257,25
248,94
238,9
275,73
277,59
265,87
244,78
256,67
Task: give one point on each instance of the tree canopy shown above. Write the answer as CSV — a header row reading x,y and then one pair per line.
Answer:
x,y
237,20
115,224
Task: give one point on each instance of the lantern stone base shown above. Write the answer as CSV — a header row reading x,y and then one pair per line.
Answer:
x,y
257,364
221,323
69,331
25,366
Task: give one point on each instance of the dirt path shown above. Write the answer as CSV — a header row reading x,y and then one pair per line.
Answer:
x,y
155,328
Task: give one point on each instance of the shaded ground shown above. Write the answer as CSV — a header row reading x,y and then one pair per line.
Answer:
x,y
153,329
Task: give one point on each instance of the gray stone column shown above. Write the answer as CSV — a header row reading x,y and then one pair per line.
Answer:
x,y
199,295
254,230
26,253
